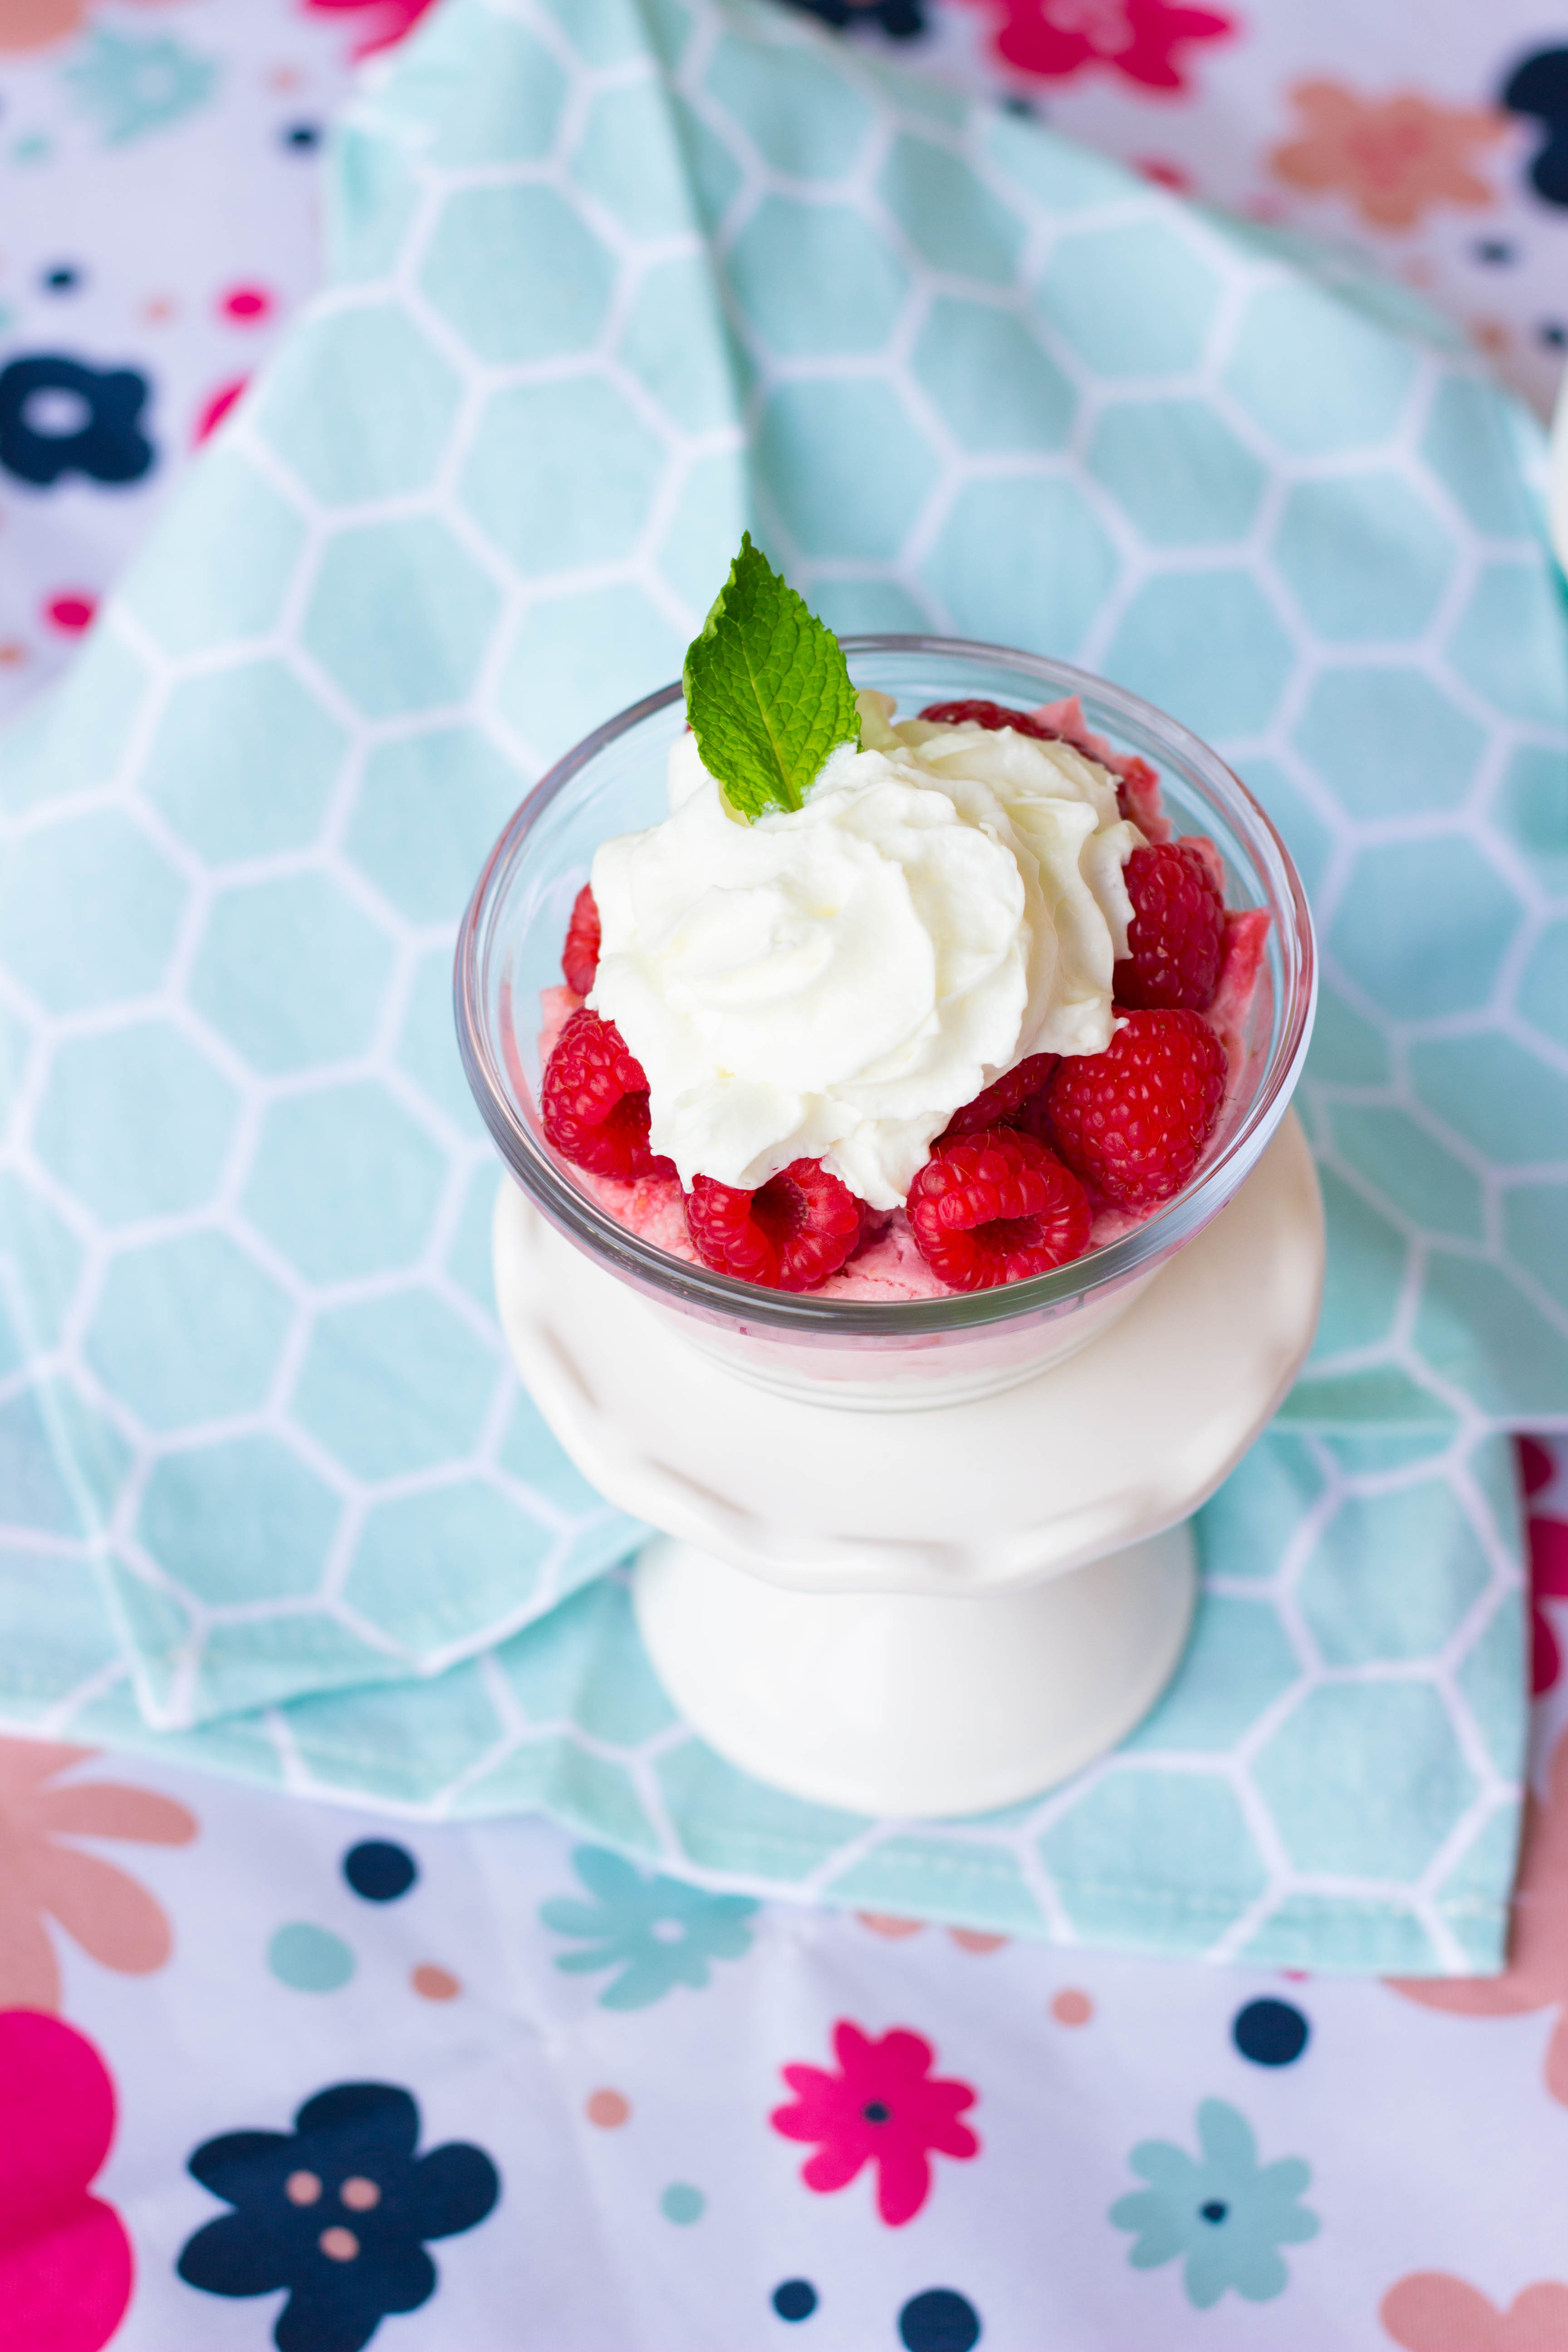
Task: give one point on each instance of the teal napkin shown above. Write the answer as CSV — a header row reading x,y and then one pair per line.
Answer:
x,y
613,279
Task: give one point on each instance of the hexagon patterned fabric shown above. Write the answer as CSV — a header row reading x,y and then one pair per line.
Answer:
x,y
614,278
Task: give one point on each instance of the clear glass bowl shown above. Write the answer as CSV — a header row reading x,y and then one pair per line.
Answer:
x,y
928,1350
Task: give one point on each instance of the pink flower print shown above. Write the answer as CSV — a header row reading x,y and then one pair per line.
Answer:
x,y
1137,38
1536,1468
64,2259
34,24
1548,1541
1396,159
381,24
884,2107
43,1875
1547,1582
1431,2312
1537,1973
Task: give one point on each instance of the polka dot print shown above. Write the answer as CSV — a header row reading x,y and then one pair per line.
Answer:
x,y
608,2110
1070,2007
940,2320
682,2203
795,2299
1271,2033
246,306
432,1983
309,1958
71,611
380,1871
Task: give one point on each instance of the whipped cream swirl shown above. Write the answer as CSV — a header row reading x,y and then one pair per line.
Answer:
x,y
832,982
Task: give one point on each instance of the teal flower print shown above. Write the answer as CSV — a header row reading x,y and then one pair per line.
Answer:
x,y
134,87
1228,2215
657,1932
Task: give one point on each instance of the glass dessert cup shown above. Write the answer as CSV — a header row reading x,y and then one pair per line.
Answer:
x,y
908,1500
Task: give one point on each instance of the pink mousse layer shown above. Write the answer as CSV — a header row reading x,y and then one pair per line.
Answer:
x,y
888,1265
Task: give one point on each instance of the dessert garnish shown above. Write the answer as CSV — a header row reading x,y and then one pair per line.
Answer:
x,y
996,1206
1132,1121
1175,943
767,689
580,955
791,1234
892,1008
594,1102
976,712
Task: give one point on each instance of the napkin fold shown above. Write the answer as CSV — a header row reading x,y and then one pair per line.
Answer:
x,y
612,282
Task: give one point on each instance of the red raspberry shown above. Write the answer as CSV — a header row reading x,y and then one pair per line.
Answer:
x,y
1133,1120
1138,796
580,955
997,1207
990,714
1176,941
595,1101
791,1234
1137,783
994,1105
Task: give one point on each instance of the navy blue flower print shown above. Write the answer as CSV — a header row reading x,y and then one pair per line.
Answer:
x,y
903,19
58,417
337,2211
1538,88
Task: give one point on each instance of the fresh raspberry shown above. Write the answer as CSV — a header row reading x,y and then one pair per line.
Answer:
x,y
1138,796
1133,1120
994,1105
580,955
595,1101
997,1207
791,1234
1137,783
1175,944
992,715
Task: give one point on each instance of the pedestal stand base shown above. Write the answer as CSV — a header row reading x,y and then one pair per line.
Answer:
x,y
935,1611
909,1703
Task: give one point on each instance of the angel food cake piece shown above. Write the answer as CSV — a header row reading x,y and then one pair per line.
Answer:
x,y
889,1008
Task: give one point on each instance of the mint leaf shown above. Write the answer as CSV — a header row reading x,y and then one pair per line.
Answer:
x,y
767,691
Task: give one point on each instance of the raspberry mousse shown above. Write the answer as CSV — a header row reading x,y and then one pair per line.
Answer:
x,y
889,1009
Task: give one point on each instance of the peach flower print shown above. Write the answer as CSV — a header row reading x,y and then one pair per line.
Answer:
x,y
1394,158
111,1915
1537,1973
1431,2312
34,24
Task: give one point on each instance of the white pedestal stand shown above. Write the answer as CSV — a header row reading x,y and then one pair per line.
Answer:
x,y
924,1612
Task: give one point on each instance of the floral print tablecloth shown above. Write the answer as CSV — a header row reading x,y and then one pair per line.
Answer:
x,y
276,2074
158,159
269,2074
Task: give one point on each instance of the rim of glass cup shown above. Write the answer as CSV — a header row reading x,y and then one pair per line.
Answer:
x,y
805,1314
